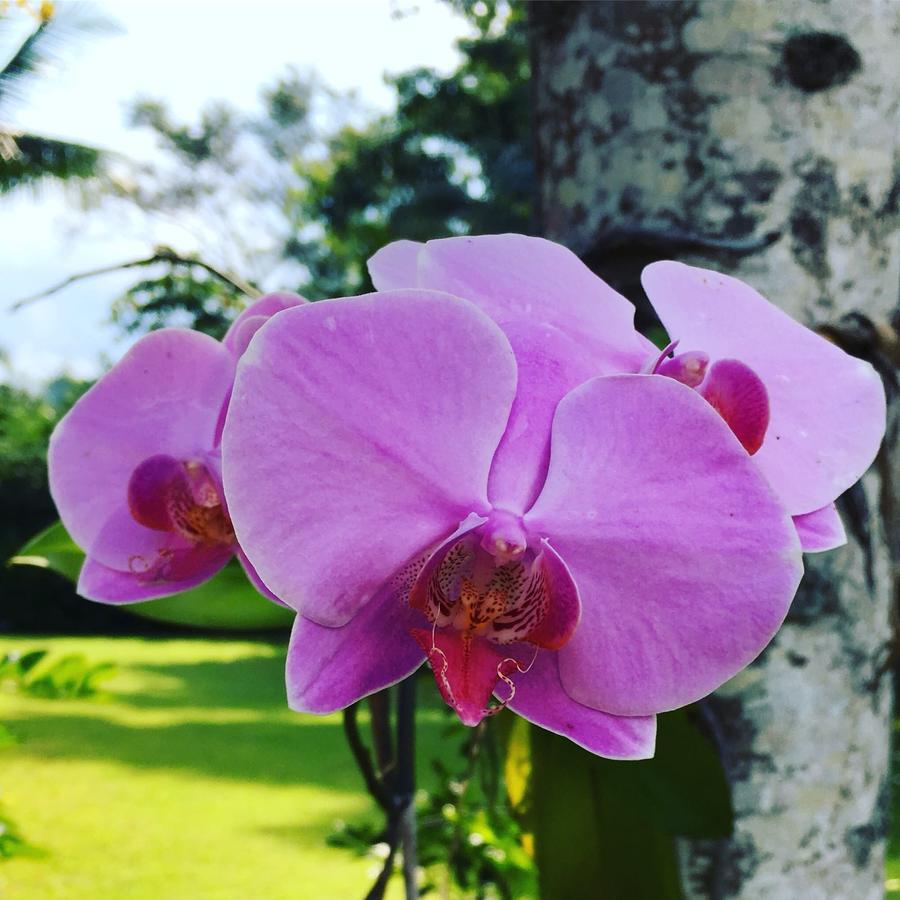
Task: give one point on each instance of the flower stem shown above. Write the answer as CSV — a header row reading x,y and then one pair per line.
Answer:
x,y
391,780
406,782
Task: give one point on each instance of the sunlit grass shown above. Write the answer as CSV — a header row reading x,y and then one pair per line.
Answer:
x,y
189,779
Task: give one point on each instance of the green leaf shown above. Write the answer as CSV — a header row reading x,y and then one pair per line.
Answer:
x,y
605,828
52,549
226,602
592,837
27,661
683,789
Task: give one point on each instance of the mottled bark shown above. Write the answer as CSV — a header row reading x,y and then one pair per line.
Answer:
x,y
759,138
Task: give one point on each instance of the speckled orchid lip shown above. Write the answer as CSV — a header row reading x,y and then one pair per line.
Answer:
x,y
482,592
476,500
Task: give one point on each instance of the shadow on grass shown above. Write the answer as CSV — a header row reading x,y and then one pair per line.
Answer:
x,y
266,751
252,682
273,746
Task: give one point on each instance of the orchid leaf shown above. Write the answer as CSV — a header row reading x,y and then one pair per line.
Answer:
x,y
227,601
683,788
51,549
592,836
605,828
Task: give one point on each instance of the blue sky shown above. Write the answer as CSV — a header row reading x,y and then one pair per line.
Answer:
x,y
211,49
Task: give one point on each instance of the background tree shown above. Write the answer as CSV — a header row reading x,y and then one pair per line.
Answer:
x,y
301,193
759,139
455,158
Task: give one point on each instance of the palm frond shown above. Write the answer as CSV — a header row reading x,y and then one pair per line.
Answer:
x,y
45,45
25,60
28,159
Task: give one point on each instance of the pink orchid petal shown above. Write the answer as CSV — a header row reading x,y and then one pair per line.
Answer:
x,y
330,668
651,364
821,530
396,266
550,363
255,316
565,326
541,698
241,333
513,278
738,395
340,470
254,579
106,585
684,559
466,669
124,544
827,408
164,396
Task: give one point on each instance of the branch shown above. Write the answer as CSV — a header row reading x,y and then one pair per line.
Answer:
x,y
160,255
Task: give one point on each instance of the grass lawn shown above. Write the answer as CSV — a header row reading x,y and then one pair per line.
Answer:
x,y
189,779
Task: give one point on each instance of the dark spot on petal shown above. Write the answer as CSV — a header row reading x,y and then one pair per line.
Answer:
x,y
818,60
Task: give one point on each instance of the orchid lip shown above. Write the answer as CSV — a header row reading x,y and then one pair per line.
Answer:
x,y
180,497
730,387
183,500
486,593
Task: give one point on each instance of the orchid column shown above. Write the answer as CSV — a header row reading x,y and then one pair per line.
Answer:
x,y
759,139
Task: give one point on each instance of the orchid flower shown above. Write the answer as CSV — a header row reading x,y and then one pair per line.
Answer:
x,y
812,416
397,476
135,465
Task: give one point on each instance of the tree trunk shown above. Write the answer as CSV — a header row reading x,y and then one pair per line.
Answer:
x,y
759,139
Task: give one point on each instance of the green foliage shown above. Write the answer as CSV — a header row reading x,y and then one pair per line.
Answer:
x,y
26,421
212,139
33,159
227,602
51,549
226,178
179,297
69,677
466,832
11,841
